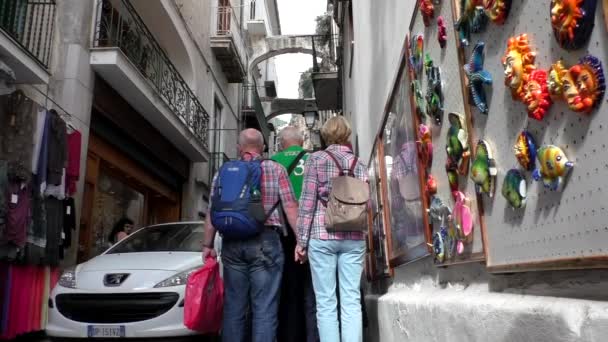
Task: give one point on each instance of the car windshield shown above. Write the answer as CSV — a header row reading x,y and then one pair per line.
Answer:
x,y
165,238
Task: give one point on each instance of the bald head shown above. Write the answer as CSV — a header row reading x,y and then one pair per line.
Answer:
x,y
251,140
290,136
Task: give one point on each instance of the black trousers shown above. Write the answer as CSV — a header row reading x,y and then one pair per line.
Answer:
x,y
297,308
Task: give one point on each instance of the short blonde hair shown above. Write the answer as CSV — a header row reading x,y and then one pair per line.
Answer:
x,y
336,131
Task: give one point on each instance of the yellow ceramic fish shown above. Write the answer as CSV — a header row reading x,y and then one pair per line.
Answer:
x,y
553,166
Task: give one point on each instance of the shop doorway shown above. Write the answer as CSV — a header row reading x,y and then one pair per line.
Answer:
x,y
116,188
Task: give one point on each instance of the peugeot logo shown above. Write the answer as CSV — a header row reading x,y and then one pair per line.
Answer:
x,y
114,279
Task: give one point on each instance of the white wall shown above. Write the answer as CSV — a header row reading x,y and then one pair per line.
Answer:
x,y
379,32
460,303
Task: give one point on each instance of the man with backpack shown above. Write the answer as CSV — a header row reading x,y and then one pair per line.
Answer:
x,y
246,198
297,309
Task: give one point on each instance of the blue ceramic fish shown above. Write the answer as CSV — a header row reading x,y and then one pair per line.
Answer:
x,y
514,188
478,77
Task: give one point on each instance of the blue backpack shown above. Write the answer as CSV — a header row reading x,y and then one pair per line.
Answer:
x,y
237,211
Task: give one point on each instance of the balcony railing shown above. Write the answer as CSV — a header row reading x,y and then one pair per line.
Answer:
x,y
30,24
228,25
123,28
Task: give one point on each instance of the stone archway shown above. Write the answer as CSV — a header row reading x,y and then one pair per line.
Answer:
x,y
279,45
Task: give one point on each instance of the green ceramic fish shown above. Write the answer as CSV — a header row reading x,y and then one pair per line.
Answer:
x,y
483,170
457,146
514,188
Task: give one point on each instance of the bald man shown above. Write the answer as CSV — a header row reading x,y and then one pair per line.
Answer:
x,y
297,309
253,267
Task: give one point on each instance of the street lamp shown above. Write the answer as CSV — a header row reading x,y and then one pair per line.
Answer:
x,y
310,118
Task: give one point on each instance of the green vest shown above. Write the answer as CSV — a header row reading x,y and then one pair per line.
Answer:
x,y
285,158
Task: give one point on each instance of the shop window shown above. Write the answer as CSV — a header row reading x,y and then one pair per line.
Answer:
x,y
406,225
377,243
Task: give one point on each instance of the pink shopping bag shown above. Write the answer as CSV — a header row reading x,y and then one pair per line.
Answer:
x,y
204,302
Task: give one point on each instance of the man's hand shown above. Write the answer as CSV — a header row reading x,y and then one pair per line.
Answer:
x,y
300,254
208,252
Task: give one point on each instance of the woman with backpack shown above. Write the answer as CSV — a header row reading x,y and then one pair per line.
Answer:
x,y
332,221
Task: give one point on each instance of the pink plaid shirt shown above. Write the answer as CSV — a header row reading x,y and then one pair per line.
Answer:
x,y
318,172
275,185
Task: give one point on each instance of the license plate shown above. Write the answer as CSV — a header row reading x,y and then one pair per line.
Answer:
x,y
107,331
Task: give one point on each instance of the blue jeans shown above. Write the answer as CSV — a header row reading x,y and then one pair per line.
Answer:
x,y
252,280
346,258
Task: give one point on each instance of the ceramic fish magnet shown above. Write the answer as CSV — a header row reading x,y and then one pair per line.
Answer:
x,y
431,185
473,19
483,169
452,178
518,64
478,77
442,35
497,10
457,144
439,245
418,99
514,189
416,54
434,93
525,150
428,11
572,22
463,219
553,166
425,145
536,95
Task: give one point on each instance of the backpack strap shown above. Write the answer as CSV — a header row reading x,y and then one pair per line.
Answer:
x,y
353,166
294,163
333,157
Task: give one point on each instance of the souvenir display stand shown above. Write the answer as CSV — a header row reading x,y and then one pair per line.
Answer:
x,y
454,99
562,228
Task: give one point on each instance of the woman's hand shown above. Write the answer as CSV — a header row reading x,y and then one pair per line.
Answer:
x,y
300,254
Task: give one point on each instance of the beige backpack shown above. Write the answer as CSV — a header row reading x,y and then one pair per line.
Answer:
x,y
347,203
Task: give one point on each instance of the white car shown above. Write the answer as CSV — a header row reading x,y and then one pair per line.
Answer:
x,y
134,290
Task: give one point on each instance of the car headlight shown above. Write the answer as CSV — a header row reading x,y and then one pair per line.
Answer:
x,y
178,279
68,278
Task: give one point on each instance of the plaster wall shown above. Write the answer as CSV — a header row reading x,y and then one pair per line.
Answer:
x,y
463,302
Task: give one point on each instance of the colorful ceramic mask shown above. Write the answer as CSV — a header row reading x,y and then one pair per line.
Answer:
x,y
457,145
536,95
518,63
483,169
428,11
434,94
514,189
525,150
572,22
442,35
472,20
425,145
418,98
497,10
478,77
416,54
555,82
463,218
570,91
590,83
553,166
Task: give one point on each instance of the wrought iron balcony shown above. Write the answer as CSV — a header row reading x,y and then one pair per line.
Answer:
x,y
228,44
30,24
119,26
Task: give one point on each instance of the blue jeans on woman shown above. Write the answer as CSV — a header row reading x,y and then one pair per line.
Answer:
x,y
346,258
252,280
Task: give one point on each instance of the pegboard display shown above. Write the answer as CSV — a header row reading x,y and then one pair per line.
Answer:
x,y
556,229
453,101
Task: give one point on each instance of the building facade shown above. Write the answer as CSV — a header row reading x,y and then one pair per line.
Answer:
x,y
411,298
155,88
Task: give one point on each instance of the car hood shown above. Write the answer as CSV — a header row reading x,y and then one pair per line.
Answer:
x,y
163,261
